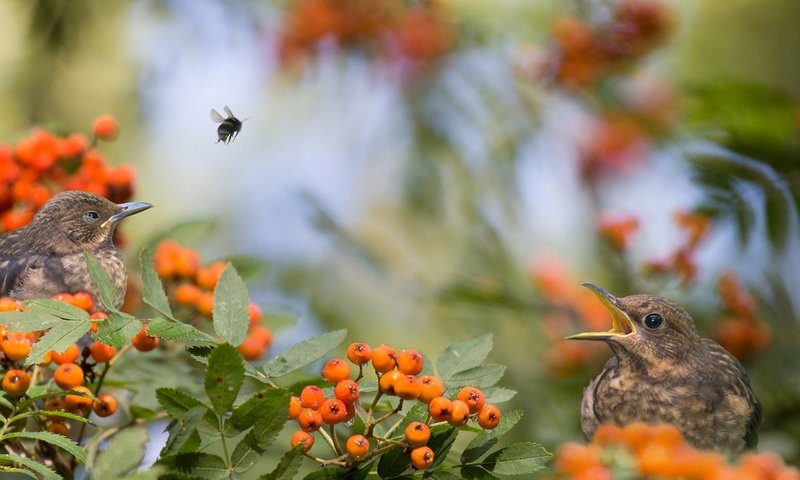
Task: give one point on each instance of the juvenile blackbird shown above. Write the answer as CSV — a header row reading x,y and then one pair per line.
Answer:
x,y
45,257
662,371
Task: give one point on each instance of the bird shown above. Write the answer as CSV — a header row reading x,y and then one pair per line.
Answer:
x,y
45,257
663,371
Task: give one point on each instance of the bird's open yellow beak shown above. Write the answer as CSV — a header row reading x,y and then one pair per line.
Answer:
x,y
621,324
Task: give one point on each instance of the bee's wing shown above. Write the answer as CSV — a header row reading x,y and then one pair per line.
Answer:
x,y
216,117
228,111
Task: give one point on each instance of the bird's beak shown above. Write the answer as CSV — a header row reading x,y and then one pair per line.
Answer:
x,y
126,210
621,324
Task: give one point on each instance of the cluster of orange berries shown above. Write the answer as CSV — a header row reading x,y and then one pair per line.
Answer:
x,y
681,263
617,231
742,334
586,52
191,284
43,164
418,32
616,143
397,376
659,451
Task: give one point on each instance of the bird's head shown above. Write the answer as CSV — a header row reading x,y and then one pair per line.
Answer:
x,y
644,328
86,219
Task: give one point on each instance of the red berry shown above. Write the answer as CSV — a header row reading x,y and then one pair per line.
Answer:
x,y
312,397
335,370
359,353
410,362
346,391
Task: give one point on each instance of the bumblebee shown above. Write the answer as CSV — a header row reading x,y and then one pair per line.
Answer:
x,y
229,128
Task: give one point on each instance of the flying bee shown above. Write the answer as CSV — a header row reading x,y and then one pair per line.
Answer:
x,y
229,128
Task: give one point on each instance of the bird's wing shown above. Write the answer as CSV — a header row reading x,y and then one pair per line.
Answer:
x,y
12,270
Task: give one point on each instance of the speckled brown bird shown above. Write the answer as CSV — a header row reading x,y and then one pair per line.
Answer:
x,y
662,371
45,257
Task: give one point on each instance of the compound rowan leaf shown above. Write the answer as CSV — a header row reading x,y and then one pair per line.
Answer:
x,y
108,294
55,308
486,439
518,459
118,329
67,444
44,472
223,378
463,355
24,322
58,338
153,290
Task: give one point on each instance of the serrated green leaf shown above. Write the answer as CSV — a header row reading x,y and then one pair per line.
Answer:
x,y
442,438
496,395
124,452
224,376
108,294
182,430
153,290
204,465
24,322
5,402
267,420
518,459
303,353
19,471
118,329
45,472
463,355
175,402
273,401
58,309
51,413
338,473
58,338
482,376
288,466
474,472
486,439
179,332
60,441
231,300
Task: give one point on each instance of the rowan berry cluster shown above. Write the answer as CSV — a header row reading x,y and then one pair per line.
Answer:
x,y
398,376
43,164
742,333
681,263
190,285
659,451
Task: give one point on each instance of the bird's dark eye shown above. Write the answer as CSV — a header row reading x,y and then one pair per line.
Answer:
x,y
91,216
653,320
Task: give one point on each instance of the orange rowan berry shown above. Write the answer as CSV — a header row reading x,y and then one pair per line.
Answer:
x,y
409,362
59,428
473,397
346,390
312,397
98,316
357,446
351,411
255,315
186,262
607,434
8,304
359,353
489,416
294,407
105,405
333,411
102,353
407,387
440,408
388,380
305,438
417,434
459,413
383,358
144,342
309,419
105,127
209,276
14,219
55,405
262,334
251,348
16,347
335,370
187,294
79,403
68,376
16,382
63,297
82,300
576,459
205,304
70,355
432,387
421,458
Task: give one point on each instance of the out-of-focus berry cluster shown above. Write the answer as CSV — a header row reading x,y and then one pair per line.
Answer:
x,y
43,164
190,285
640,451
741,333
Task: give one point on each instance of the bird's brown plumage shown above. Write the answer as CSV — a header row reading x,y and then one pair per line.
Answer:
x,y
45,257
669,374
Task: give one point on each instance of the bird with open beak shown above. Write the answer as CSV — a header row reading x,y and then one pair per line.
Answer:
x,y
662,371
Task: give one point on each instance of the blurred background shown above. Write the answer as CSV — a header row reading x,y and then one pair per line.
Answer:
x,y
426,171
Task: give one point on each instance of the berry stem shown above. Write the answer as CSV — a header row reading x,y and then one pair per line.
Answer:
x,y
339,461
371,426
330,441
389,440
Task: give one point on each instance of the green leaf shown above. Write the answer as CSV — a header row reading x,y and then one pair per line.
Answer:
x,y
178,332
60,441
396,461
518,459
288,467
108,294
187,232
338,473
496,395
470,472
58,338
51,413
267,415
154,294
486,439
182,432
197,464
54,307
442,438
175,402
20,471
124,452
274,401
118,329
24,322
223,378
247,266
482,376
443,475
463,355
45,472
303,353
231,300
